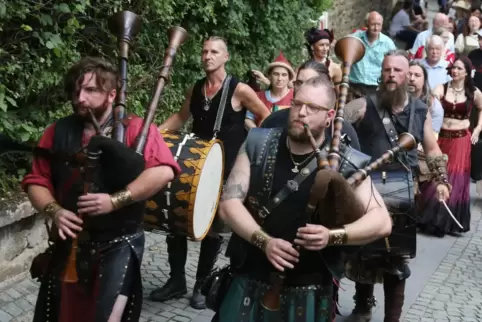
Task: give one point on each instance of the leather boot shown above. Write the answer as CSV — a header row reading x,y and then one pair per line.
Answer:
x,y
394,289
175,286
364,302
210,248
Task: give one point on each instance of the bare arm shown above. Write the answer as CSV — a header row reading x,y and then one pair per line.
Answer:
x,y
231,208
376,223
429,142
355,110
478,104
150,181
176,121
39,196
438,92
249,99
249,124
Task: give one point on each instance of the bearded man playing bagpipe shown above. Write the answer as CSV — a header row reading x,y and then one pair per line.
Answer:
x,y
284,258
91,272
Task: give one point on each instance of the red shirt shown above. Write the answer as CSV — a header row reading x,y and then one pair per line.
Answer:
x,y
283,103
420,54
156,153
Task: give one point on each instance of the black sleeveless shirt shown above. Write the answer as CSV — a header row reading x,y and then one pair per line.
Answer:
x,y
232,132
291,210
373,137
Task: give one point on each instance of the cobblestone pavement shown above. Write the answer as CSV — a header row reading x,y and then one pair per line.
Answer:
x,y
454,292
446,283
17,300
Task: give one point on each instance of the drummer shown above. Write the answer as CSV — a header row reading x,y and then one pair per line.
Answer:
x,y
202,102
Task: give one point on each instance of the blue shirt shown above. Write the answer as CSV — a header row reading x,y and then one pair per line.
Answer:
x,y
437,74
368,70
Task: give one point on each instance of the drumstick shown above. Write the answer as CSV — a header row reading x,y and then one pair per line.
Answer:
x,y
451,214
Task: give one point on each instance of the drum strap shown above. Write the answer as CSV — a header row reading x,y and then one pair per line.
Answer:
x,y
222,106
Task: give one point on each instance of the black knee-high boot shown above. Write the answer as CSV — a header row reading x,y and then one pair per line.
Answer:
x,y
210,248
364,302
175,286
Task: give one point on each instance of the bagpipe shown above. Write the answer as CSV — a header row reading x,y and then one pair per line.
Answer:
x,y
333,201
117,164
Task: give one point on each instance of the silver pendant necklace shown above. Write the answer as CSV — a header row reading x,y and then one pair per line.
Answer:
x,y
207,100
297,164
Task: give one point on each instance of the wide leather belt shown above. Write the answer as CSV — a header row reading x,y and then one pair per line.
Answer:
x,y
449,134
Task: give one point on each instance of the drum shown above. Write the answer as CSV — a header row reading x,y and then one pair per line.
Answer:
x,y
397,190
188,204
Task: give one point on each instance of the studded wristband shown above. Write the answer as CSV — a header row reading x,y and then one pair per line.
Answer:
x,y
51,209
260,239
337,237
121,198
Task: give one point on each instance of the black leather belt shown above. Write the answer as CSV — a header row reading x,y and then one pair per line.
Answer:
x,y
107,235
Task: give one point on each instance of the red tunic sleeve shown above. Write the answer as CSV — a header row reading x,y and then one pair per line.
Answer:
x,y
40,174
419,53
156,151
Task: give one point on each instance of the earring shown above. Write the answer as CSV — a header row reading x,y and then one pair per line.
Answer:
x,y
327,124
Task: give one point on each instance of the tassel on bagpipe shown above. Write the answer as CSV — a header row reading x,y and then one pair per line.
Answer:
x,y
121,164
331,193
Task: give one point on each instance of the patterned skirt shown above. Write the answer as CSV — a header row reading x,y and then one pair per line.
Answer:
x,y
243,303
434,218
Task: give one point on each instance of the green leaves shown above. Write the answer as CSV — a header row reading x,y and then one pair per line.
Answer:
x,y
42,39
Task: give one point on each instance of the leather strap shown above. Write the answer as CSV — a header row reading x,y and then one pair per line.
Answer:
x,y
222,106
290,187
388,125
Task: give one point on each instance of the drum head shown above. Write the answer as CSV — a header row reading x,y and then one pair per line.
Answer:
x,y
208,192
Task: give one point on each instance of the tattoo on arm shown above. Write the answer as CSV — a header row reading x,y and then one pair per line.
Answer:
x,y
236,186
355,110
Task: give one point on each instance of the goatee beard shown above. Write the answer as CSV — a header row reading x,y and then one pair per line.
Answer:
x,y
302,137
389,98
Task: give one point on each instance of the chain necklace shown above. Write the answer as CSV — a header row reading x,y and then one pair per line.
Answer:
x,y
207,100
456,94
297,164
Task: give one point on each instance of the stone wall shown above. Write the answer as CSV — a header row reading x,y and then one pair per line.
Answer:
x,y
347,15
22,236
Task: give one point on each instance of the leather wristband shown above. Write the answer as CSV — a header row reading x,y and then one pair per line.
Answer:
x,y
51,209
337,237
260,239
121,198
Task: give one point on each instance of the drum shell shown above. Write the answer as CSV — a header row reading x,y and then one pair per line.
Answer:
x,y
397,191
177,215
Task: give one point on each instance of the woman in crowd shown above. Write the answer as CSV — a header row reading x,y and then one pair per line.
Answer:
x,y
318,43
468,40
458,97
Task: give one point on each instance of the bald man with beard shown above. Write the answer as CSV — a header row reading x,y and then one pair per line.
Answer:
x,y
379,119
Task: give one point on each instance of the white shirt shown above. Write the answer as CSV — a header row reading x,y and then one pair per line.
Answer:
x,y
399,22
422,39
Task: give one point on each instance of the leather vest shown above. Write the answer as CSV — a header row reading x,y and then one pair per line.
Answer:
x,y
373,137
262,147
68,185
